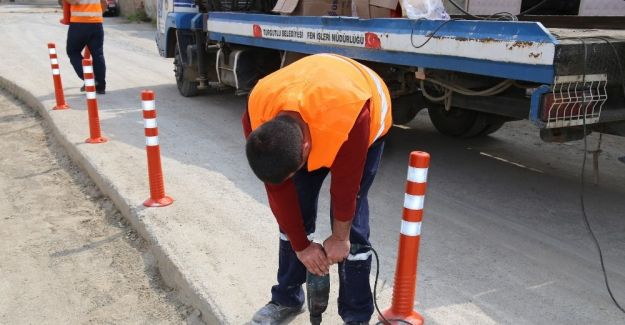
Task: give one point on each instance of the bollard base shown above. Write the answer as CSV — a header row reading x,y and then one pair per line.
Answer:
x,y
413,318
162,202
60,107
96,140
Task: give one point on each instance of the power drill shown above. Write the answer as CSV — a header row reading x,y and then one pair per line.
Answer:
x,y
318,291
317,295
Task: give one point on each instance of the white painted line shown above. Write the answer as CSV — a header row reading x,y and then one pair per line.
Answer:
x,y
409,228
417,175
149,123
511,162
538,286
148,105
151,141
413,202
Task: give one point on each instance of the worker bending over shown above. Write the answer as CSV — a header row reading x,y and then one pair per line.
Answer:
x,y
322,114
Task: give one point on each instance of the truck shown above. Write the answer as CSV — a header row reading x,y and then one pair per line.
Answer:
x,y
472,73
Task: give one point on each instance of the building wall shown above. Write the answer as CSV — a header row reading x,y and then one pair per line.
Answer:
x,y
130,6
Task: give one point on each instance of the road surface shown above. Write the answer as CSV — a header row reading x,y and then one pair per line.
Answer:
x,y
503,241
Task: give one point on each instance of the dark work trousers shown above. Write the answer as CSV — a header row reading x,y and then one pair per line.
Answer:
x,y
90,35
355,301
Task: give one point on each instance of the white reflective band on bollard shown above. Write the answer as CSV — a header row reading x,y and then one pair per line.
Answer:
x,y
54,61
417,175
148,105
151,141
409,228
90,95
52,51
149,123
413,202
87,69
89,82
56,71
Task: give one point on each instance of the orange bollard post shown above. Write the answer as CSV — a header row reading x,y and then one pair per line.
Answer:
x,y
86,54
155,171
66,14
406,272
95,135
56,78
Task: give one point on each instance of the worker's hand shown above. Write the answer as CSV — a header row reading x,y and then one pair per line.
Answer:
x,y
337,249
314,258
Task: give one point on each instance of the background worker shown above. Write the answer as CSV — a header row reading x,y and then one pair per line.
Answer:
x,y
85,29
322,114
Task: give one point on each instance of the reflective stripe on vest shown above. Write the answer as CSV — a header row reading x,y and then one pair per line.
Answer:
x,y
380,92
329,92
87,11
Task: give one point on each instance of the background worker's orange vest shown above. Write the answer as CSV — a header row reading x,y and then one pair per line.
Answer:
x,y
329,92
87,11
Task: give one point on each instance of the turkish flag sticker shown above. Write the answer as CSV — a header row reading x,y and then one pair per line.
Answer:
x,y
257,31
372,41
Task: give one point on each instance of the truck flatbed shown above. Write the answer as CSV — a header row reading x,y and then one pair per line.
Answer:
x,y
524,51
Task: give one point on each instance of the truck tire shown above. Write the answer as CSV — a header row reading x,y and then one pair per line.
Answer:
x,y
405,108
458,122
187,88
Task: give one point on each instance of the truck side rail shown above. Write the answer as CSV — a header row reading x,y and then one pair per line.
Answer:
x,y
512,50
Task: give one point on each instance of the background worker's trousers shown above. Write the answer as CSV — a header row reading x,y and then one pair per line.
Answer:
x,y
90,35
355,301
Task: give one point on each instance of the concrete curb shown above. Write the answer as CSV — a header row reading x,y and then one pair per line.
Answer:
x,y
167,266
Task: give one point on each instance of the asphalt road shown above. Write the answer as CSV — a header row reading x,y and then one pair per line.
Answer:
x,y
503,240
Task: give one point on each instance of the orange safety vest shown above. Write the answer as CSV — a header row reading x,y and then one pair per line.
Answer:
x,y
86,11
329,92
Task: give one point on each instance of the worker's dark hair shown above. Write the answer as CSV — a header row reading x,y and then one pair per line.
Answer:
x,y
274,150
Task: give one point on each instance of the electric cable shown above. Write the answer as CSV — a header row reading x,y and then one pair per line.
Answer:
x,y
617,56
496,16
589,228
449,89
430,36
582,192
499,15
532,8
384,320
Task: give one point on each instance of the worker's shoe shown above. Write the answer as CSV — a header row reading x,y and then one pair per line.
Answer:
x,y
82,89
356,323
273,314
100,91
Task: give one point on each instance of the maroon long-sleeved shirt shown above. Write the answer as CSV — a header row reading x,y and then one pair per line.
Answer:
x,y
346,170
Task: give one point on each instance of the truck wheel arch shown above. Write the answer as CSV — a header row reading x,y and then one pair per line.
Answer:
x,y
171,38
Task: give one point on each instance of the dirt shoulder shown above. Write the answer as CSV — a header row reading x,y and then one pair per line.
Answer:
x,y
66,256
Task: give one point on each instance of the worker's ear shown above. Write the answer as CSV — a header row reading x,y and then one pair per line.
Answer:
x,y
305,149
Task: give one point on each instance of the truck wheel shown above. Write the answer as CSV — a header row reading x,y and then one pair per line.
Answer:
x,y
405,108
458,122
186,87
